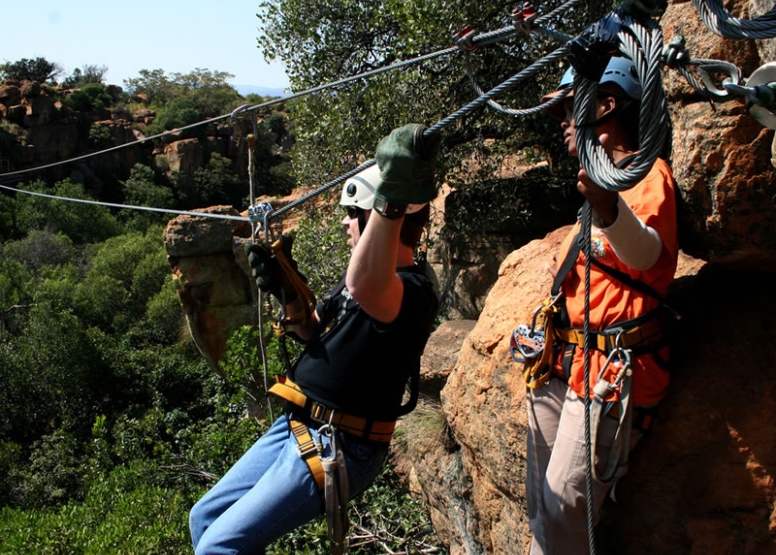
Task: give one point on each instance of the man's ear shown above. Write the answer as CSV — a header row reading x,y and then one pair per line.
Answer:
x,y
606,105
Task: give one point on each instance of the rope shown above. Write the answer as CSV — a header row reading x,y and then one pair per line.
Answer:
x,y
721,22
643,43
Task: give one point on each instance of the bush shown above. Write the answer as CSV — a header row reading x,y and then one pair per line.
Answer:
x,y
89,98
180,112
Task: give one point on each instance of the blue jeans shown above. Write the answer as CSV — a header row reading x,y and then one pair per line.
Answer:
x,y
270,491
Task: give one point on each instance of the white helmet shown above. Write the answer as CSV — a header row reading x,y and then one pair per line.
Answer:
x,y
359,190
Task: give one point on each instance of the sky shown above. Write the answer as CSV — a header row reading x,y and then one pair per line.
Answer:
x,y
176,36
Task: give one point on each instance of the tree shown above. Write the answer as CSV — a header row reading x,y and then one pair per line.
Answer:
x,y
209,90
37,69
323,41
90,74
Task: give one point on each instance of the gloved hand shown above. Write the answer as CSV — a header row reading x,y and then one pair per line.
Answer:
x,y
406,160
268,273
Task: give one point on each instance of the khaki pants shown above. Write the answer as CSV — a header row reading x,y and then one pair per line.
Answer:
x,y
555,486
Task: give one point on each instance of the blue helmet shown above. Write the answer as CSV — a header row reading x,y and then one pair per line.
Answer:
x,y
619,71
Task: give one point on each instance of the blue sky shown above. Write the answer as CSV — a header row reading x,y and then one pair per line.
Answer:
x,y
173,35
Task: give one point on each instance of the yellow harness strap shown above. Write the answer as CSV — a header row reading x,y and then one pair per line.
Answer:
x,y
373,430
308,451
640,336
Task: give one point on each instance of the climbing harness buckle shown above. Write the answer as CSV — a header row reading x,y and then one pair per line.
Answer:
x,y
304,450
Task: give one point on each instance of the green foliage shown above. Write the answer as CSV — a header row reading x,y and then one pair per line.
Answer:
x,y
132,510
141,189
320,248
179,112
89,98
125,273
81,222
26,69
90,74
386,518
216,183
100,136
206,89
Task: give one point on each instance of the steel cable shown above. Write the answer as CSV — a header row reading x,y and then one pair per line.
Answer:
x,y
643,43
721,22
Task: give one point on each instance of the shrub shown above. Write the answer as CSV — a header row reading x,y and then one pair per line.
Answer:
x,y
89,98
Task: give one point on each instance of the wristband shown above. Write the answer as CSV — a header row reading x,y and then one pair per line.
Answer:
x,y
389,210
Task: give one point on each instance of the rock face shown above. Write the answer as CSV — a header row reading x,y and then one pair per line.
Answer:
x,y
720,154
209,269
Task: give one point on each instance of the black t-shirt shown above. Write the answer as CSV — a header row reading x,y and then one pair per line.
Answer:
x,y
359,366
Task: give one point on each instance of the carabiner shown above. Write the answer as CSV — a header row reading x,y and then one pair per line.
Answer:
x,y
718,66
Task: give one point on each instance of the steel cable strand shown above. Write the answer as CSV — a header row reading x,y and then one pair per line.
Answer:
x,y
458,114
546,61
721,22
531,27
587,219
644,46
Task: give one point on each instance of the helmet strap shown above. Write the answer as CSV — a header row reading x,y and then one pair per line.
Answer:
x,y
361,221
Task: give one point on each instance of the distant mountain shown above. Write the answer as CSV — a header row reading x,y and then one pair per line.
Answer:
x,y
262,91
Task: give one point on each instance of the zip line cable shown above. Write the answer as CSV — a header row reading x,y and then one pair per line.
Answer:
x,y
116,205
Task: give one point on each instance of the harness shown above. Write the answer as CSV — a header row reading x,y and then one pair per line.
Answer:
x,y
330,473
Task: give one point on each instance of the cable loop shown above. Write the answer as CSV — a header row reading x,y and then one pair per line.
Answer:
x,y
722,23
642,42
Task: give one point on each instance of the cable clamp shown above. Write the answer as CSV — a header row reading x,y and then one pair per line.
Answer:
x,y
675,53
464,38
524,16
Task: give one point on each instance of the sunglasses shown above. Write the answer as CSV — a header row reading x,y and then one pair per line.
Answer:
x,y
353,212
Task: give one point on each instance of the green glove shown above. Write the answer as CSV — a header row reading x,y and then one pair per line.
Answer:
x,y
406,160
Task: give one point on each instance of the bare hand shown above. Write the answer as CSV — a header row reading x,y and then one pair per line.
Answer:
x,y
604,202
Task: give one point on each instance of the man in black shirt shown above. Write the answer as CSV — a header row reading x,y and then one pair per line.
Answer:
x,y
362,344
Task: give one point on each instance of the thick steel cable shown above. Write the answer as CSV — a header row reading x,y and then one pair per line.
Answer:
x,y
643,44
721,22
458,114
520,111
587,219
